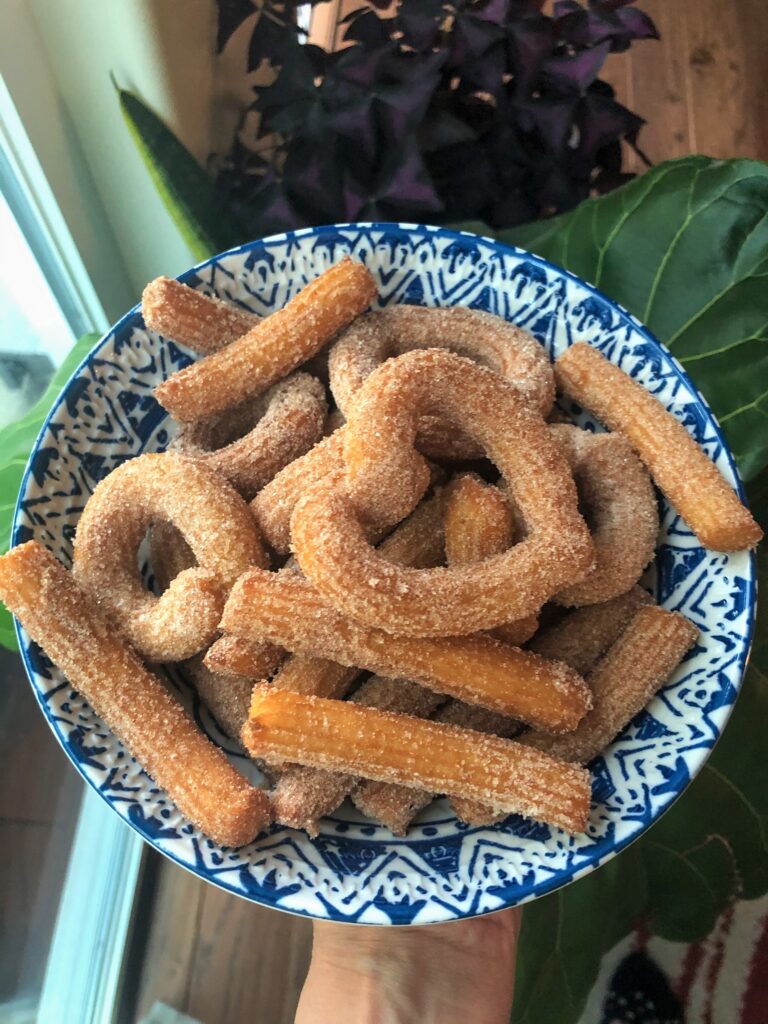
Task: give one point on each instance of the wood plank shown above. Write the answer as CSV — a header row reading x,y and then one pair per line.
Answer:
x,y
167,942
250,962
658,89
726,59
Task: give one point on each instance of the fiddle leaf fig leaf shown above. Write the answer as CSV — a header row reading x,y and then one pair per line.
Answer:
x,y
685,248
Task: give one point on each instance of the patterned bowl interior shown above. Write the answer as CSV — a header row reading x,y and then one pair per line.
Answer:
x,y
354,870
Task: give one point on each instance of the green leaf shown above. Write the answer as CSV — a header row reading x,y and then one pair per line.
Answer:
x,y
708,850
199,212
685,248
16,441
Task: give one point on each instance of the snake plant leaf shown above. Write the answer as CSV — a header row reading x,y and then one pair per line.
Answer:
x,y
199,212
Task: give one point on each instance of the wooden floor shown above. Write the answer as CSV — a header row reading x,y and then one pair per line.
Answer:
x,y
701,89
39,799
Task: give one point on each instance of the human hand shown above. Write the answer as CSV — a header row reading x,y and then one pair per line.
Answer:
x,y
451,973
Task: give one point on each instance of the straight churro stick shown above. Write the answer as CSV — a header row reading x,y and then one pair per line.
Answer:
x,y
416,752
679,466
397,806
287,610
623,681
315,677
272,348
419,541
76,635
184,315
303,794
478,524
580,639
584,635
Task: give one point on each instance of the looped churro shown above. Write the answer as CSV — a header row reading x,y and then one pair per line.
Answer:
x,y
511,352
385,475
679,466
620,506
215,523
184,315
76,635
250,445
272,348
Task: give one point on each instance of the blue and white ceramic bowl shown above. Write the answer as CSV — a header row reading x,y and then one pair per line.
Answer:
x,y
354,870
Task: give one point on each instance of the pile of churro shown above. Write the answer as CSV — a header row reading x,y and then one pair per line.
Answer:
x,y
390,565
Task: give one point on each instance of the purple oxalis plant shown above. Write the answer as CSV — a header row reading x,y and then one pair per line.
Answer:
x,y
484,110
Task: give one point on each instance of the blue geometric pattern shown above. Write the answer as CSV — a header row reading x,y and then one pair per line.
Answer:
x,y
354,870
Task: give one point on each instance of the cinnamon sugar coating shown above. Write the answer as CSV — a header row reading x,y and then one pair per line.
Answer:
x,y
272,348
623,681
681,469
288,611
511,352
304,795
183,314
215,523
617,493
250,445
78,637
583,636
415,752
385,475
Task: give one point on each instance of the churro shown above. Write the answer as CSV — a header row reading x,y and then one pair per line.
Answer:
x,y
247,659
251,444
335,554
78,637
201,322
215,523
691,482
623,681
583,636
226,697
416,752
324,464
620,506
272,348
513,353
479,524
288,611
303,794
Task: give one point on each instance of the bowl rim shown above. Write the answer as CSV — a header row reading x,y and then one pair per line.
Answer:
x,y
679,781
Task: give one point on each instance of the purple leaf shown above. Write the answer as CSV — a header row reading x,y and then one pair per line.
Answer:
x,y
407,181
472,37
494,10
575,73
637,24
529,43
609,5
566,7
551,121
